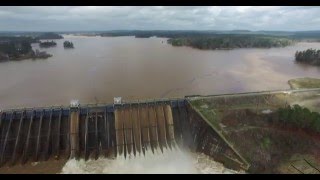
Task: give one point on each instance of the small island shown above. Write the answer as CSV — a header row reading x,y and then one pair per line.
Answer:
x,y
309,56
68,45
231,42
47,44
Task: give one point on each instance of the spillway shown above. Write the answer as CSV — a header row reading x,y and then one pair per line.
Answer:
x,y
91,131
110,130
140,127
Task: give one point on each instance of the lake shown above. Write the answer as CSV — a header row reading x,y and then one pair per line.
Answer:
x,y
100,68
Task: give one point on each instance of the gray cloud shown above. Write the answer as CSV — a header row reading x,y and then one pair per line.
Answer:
x,y
42,18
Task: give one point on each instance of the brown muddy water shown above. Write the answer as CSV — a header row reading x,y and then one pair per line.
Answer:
x,y
100,68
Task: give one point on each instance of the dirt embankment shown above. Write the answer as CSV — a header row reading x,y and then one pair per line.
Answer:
x,y
270,146
253,126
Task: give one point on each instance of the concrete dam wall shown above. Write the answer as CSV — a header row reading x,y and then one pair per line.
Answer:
x,y
91,131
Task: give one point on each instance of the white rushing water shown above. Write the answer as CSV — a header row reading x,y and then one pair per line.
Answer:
x,y
169,162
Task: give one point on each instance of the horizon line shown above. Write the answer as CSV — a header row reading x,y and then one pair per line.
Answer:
x,y
155,30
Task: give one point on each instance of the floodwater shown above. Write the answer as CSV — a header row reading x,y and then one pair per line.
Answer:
x,y
100,68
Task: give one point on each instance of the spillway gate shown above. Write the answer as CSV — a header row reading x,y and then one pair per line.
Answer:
x,y
90,131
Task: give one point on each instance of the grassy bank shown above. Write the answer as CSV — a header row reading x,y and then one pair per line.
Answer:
x,y
301,83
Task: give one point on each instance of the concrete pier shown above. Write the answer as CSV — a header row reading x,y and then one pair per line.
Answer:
x,y
74,133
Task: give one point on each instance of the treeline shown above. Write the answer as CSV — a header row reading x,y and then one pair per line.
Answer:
x,y
299,35
211,39
300,117
16,48
206,33
231,42
14,39
309,56
34,37
49,35
159,33
13,47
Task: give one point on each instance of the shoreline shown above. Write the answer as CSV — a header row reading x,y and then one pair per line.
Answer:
x,y
30,55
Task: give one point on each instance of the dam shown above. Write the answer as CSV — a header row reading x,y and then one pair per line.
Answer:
x,y
88,131
91,131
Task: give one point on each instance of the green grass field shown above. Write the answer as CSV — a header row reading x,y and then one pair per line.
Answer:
x,y
301,83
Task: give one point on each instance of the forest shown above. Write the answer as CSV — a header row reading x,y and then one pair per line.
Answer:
x,y
231,42
13,47
309,56
17,45
17,48
212,39
300,117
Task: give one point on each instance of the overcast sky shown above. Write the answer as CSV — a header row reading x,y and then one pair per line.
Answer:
x,y
85,18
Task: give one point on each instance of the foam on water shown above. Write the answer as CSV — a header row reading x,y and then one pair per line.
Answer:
x,y
168,162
